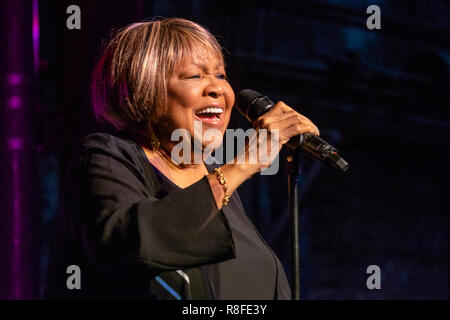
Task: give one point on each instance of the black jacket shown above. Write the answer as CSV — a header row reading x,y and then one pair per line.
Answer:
x,y
135,235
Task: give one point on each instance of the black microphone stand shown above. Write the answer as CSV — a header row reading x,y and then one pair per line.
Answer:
x,y
293,171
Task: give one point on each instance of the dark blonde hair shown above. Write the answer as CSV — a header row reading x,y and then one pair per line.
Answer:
x,y
129,82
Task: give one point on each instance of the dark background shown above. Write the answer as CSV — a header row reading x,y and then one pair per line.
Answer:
x,y
380,96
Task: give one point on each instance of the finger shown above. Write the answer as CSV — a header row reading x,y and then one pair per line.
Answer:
x,y
279,108
265,120
287,121
281,111
293,119
307,120
284,107
297,129
275,118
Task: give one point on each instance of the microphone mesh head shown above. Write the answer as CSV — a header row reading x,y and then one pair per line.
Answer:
x,y
253,104
245,99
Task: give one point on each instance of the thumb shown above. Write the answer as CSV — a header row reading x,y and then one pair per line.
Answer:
x,y
283,107
279,108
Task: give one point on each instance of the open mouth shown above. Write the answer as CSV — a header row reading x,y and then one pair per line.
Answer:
x,y
210,115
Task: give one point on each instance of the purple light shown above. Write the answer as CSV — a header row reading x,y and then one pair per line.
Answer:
x,y
15,143
36,36
14,102
14,79
16,266
18,225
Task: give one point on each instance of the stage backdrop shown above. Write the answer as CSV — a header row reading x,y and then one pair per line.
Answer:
x,y
381,96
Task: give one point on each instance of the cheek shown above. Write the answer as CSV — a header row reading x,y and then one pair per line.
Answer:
x,y
179,106
182,119
229,97
177,117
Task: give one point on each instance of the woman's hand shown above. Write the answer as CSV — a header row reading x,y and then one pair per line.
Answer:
x,y
273,129
280,124
288,121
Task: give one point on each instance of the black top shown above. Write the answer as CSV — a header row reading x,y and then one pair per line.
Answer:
x,y
136,235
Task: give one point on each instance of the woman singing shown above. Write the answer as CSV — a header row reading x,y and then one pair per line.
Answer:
x,y
139,225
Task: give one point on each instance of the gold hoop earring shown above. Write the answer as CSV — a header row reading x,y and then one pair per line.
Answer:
x,y
154,143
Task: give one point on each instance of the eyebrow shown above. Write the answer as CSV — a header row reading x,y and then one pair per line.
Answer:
x,y
203,66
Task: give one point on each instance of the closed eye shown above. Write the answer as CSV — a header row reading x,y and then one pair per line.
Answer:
x,y
195,76
222,76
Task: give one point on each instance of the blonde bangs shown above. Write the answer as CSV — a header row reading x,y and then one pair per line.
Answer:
x,y
129,88
186,47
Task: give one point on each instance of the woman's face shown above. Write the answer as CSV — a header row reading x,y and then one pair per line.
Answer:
x,y
198,91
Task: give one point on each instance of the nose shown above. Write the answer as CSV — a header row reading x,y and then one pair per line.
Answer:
x,y
214,88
